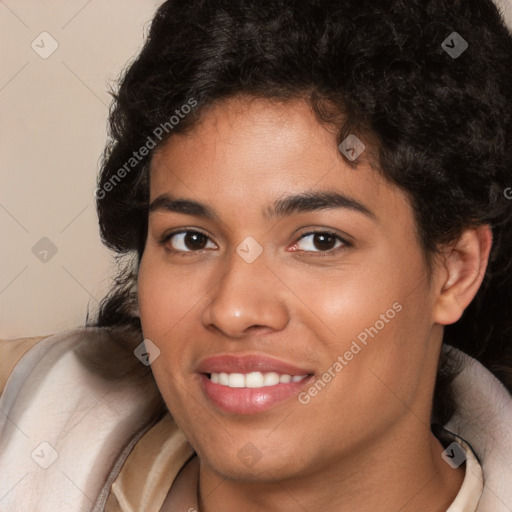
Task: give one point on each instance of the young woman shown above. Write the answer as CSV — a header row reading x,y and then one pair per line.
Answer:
x,y
313,311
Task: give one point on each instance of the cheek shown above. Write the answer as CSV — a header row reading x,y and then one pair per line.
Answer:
x,y
170,306
160,308
346,300
375,315
165,299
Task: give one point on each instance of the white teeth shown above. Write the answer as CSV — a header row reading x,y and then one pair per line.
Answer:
x,y
236,380
253,379
271,379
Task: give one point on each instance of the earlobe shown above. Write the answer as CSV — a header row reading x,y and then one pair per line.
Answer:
x,y
464,264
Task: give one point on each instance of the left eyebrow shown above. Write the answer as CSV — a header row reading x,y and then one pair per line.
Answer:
x,y
312,201
283,207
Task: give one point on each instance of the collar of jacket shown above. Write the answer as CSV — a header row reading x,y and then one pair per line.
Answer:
x,y
484,420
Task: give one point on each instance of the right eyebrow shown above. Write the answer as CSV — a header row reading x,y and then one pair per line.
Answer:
x,y
166,203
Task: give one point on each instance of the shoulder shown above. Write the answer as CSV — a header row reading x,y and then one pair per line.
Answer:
x,y
484,419
11,351
64,424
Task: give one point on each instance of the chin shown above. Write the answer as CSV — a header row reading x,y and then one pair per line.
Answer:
x,y
251,464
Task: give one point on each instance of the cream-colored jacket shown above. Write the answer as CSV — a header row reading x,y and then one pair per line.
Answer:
x,y
73,441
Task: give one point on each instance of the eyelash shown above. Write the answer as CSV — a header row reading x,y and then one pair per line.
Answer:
x,y
163,241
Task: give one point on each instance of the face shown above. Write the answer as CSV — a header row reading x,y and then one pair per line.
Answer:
x,y
287,294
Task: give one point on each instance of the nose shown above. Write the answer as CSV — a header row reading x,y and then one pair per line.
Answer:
x,y
248,296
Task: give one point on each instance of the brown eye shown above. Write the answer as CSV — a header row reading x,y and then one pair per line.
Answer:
x,y
188,241
195,240
320,242
324,242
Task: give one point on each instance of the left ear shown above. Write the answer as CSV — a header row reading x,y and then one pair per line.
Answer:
x,y
465,263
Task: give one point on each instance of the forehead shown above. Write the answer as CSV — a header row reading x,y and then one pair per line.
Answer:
x,y
253,151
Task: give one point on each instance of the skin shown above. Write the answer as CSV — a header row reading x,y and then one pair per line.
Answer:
x,y
364,441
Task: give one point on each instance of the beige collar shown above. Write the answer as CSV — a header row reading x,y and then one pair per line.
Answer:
x,y
471,490
150,469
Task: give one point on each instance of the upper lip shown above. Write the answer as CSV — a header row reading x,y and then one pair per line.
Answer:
x,y
246,363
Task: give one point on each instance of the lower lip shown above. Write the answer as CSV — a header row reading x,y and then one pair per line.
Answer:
x,y
250,400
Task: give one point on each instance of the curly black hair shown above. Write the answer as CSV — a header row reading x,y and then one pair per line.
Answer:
x,y
441,124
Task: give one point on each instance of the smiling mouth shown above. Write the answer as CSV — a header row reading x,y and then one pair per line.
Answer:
x,y
253,392
250,383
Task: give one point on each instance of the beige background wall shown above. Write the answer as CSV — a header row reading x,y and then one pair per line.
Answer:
x,y
52,130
